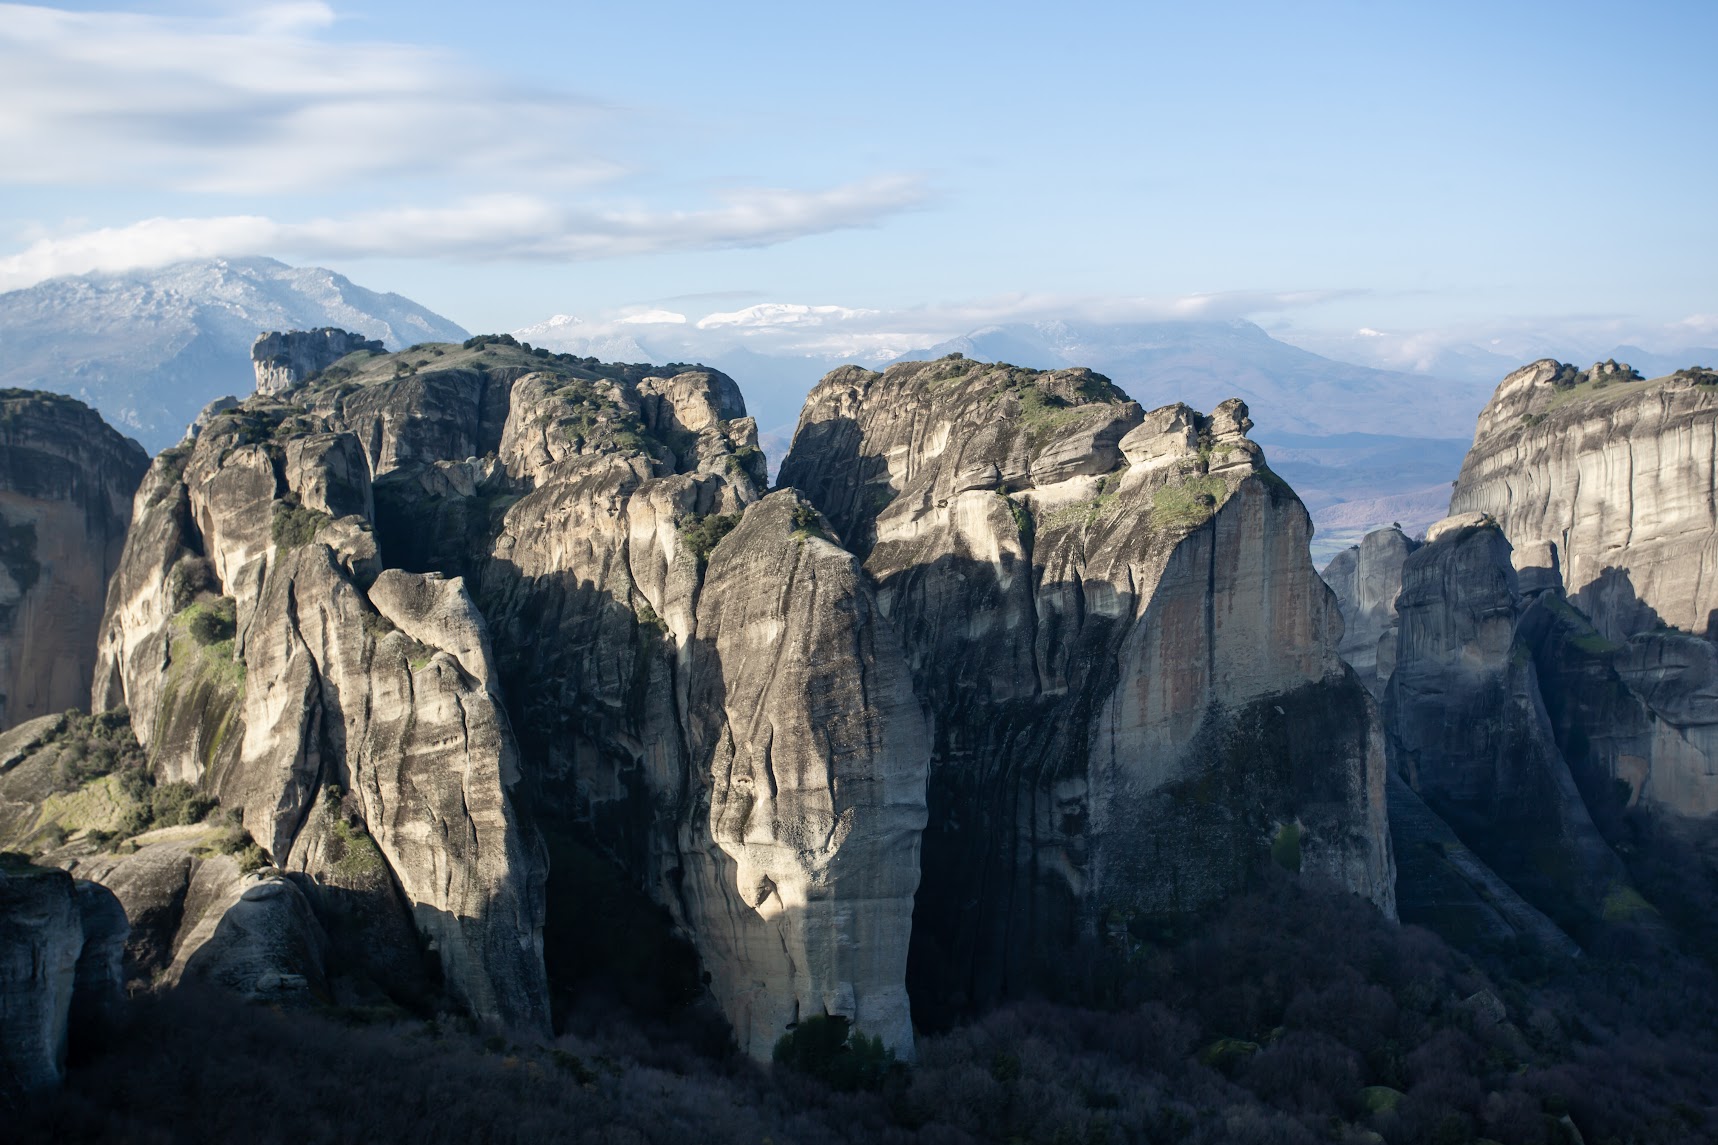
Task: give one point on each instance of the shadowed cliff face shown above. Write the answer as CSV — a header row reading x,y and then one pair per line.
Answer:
x,y
66,483
1620,474
1129,663
1470,731
1532,738
1367,579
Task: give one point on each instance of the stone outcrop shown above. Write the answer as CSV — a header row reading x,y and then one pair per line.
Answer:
x,y
335,612
282,360
1470,732
66,485
1129,662
1620,475
59,963
1367,578
808,784
1017,665
243,635
1443,885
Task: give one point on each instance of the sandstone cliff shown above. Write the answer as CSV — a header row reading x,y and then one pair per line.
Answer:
x,y
281,361
268,659
1620,474
1129,662
1367,579
424,619
1470,732
66,485
336,609
60,944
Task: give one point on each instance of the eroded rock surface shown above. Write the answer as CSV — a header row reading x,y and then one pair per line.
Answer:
x,y
1367,579
66,483
1620,474
808,784
282,360
1471,734
1129,662
338,608
60,944
242,636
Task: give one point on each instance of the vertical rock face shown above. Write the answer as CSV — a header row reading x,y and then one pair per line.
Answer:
x,y
243,633
1470,730
1128,660
60,945
1367,578
66,485
282,361
808,784
41,937
1620,474
336,610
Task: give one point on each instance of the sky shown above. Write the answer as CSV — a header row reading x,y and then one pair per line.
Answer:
x,y
1332,170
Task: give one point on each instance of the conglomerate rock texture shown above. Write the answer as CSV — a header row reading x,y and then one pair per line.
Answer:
x,y
66,483
281,361
60,945
1007,667
1470,732
340,601
1620,474
1128,660
1367,579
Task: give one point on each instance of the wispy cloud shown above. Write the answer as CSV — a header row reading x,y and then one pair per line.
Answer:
x,y
860,334
263,102
260,101
493,227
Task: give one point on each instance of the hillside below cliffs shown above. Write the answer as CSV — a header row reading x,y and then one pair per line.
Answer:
x,y
1129,662
1618,472
66,483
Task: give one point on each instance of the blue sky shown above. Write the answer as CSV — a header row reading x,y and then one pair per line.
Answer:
x,y
1471,168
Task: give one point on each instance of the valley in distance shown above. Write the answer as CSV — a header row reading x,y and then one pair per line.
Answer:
x,y
467,739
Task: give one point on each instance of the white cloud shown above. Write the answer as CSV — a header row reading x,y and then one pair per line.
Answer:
x,y
782,314
502,226
654,318
262,101
259,101
824,331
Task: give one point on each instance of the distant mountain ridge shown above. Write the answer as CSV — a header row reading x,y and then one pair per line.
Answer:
x,y
1289,390
149,348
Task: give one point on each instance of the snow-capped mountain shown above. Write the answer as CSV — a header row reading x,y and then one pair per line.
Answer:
x,y
150,348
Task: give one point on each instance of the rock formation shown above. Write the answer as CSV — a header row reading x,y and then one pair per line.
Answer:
x,y
330,606
1470,732
1129,662
282,361
59,963
268,659
1017,665
65,500
1529,731
1367,578
1620,475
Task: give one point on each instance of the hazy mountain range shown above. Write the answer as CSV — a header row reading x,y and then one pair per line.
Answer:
x,y
150,348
